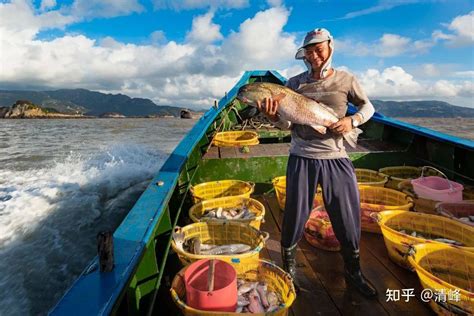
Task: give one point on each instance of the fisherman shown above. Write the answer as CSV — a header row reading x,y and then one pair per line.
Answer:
x,y
322,159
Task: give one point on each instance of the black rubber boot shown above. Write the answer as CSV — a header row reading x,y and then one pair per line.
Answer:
x,y
354,276
288,256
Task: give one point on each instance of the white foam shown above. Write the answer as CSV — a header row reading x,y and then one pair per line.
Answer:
x,y
49,219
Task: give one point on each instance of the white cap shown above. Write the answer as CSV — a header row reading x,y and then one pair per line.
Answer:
x,y
315,36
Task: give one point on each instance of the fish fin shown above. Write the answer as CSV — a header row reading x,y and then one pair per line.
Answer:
x,y
352,136
319,128
279,97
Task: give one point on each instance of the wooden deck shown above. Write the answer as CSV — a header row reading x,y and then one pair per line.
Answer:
x,y
320,275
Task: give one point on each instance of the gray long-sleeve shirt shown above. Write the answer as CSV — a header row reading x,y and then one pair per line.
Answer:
x,y
336,91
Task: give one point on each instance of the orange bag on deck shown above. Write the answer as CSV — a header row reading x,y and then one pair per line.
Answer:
x,y
318,230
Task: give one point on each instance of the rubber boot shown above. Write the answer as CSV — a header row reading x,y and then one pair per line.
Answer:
x,y
288,256
354,276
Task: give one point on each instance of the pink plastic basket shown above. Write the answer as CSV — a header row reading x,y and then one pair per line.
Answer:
x,y
437,188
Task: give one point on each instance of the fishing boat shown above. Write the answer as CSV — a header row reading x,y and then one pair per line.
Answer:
x,y
144,264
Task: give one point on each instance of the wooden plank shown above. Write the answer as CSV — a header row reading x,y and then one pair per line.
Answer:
x,y
212,153
383,279
328,267
408,279
312,298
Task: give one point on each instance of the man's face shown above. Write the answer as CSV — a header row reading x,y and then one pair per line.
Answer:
x,y
317,54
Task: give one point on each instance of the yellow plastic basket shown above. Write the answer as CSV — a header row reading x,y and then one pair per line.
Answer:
x,y
397,174
377,199
235,139
254,206
223,234
397,243
419,204
448,273
370,177
279,183
221,188
277,280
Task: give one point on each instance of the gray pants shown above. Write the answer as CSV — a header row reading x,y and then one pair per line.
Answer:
x,y
340,194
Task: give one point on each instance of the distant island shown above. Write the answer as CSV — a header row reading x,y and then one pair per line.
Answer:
x,y
80,103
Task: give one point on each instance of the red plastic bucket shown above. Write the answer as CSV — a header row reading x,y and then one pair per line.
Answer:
x,y
223,296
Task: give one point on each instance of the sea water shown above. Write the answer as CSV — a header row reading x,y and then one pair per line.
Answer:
x,y
62,182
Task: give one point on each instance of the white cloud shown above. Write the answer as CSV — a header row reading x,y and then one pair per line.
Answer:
x,y
465,74
462,28
394,83
389,45
104,8
199,4
275,3
47,4
203,30
431,70
193,73
380,7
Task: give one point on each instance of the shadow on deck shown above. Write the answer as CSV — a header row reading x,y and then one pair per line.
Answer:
x,y
320,275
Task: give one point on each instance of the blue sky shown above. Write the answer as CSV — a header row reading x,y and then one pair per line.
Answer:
x,y
189,52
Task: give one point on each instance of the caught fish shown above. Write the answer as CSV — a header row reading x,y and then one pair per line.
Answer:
x,y
178,239
229,213
246,287
255,305
232,249
262,292
295,107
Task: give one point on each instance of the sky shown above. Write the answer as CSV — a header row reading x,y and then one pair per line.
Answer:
x,y
188,53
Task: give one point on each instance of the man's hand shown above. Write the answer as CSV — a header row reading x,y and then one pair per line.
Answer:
x,y
342,126
269,107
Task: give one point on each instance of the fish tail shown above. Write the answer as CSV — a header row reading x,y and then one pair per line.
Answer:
x,y
352,137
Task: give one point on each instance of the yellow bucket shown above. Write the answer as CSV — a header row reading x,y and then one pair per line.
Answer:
x,y
370,177
377,199
419,204
277,280
279,184
254,206
221,188
448,273
223,234
235,139
397,174
398,244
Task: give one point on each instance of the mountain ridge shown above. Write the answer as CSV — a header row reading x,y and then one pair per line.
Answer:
x,y
94,103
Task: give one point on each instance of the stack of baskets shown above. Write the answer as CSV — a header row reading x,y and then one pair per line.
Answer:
x,y
378,199
370,177
226,194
